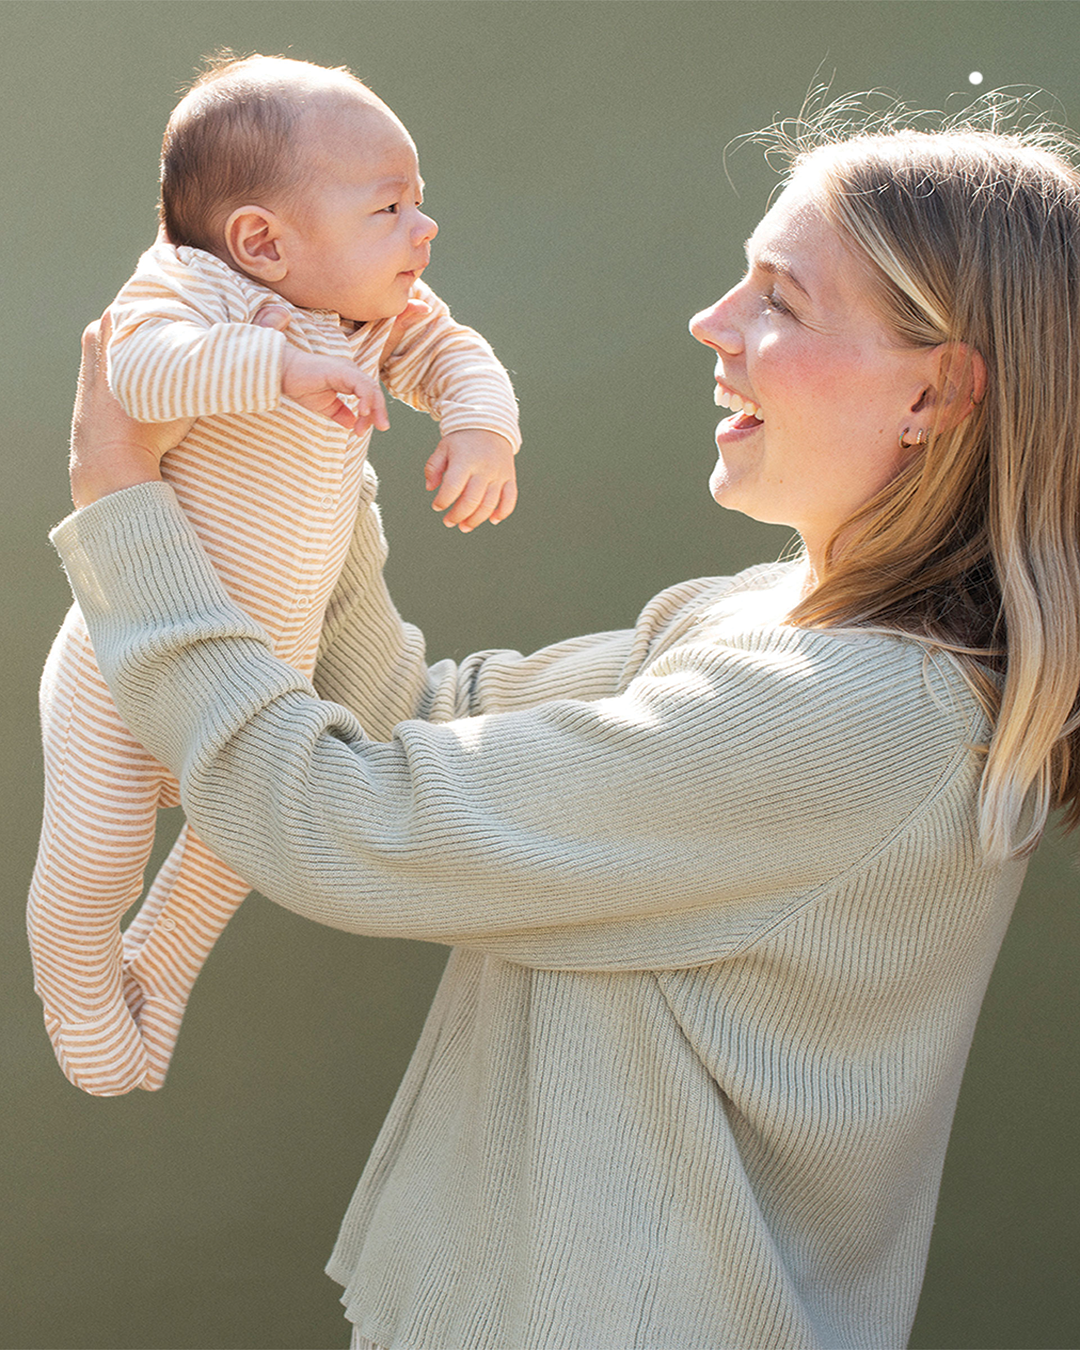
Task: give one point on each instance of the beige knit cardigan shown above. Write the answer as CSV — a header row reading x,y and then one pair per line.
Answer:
x,y
721,930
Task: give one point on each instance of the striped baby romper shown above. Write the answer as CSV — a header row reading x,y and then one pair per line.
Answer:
x,y
272,490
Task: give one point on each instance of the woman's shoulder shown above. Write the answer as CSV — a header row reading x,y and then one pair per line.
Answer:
x,y
748,611
699,591
732,633
677,611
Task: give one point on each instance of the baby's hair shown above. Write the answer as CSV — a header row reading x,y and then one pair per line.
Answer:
x,y
231,140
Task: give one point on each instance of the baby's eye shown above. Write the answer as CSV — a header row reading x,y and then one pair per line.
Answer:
x,y
393,208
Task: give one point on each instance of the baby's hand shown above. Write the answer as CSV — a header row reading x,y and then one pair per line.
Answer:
x,y
315,382
474,473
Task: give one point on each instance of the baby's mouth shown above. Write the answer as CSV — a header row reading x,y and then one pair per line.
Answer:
x,y
727,398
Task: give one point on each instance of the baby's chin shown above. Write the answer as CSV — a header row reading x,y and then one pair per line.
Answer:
x,y
411,310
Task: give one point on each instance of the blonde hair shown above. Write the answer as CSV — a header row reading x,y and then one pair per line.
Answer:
x,y
973,235
232,140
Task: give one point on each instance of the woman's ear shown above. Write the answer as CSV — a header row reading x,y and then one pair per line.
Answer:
x,y
253,236
959,383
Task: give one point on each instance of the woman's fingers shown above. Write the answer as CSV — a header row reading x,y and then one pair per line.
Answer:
x,y
109,449
272,316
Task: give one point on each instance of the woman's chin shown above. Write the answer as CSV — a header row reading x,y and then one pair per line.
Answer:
x,y
735,495
724,488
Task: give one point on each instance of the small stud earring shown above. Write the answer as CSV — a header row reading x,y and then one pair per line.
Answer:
x,y
920,439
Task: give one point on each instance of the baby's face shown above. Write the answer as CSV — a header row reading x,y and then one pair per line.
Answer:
x,y
357,239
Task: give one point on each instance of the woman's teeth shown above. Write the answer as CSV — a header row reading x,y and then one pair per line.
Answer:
x,y
724,398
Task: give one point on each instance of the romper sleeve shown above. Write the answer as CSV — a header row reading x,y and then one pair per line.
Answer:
x,y
449,371
182,344
669,823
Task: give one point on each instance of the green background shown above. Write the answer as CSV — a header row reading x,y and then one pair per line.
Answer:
x,y
574,157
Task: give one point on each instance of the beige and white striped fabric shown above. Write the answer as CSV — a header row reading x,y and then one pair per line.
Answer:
x,y
272,490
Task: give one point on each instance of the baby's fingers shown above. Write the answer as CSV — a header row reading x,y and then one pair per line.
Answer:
x,y
339,413
453,481
371,408
436,467
507,501
474,506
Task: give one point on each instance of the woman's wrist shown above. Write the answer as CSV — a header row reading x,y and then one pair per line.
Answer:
x,y
110,469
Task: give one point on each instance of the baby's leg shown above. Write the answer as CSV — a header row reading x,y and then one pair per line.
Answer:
x,y
192,899
101,798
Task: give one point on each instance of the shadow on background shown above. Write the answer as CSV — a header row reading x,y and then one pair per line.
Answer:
x,y
573,153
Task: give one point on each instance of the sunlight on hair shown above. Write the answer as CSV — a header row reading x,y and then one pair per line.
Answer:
x,y
971,221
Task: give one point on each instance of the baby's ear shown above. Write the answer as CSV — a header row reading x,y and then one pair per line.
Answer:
x,y
253,238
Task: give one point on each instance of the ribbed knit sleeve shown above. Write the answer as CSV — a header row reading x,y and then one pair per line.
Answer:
x,y
374,663
182,344
668,824
722,928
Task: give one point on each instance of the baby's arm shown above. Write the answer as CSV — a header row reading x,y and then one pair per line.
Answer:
x,y
175,354
167,369
443,368
317,382
183,346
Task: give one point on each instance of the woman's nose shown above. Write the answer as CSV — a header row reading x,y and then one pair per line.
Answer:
x,y
717,326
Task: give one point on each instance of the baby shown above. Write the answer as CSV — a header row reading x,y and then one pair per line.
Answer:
x,y
290,185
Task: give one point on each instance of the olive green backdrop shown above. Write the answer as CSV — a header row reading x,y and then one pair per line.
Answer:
x,y
574,158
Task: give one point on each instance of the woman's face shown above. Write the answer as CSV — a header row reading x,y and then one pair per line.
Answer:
x,y
822,390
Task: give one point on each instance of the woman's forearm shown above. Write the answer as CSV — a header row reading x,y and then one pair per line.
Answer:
x,y
375,664
664,825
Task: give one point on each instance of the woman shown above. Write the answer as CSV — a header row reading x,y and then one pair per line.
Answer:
x,y
724,892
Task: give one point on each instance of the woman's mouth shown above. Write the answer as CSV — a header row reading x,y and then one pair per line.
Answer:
x,y
724,397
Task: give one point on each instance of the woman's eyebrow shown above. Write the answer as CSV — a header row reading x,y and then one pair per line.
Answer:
x,y
773,266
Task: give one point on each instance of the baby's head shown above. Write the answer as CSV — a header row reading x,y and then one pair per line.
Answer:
x,y
302,178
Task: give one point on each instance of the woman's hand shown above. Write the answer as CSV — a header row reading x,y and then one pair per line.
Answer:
x,y
109,449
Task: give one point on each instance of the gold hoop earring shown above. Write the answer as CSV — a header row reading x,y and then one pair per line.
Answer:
x,y
921,438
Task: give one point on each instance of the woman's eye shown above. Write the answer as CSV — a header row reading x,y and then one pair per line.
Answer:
x,y
773,302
